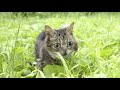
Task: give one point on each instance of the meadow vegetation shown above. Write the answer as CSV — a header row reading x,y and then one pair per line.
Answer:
x,y
98,35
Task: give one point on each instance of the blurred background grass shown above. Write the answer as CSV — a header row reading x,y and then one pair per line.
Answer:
x,y
97,33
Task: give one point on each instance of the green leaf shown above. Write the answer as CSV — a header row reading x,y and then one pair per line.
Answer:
x,y
106,53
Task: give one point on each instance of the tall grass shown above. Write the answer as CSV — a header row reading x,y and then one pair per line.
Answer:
x,y
96,32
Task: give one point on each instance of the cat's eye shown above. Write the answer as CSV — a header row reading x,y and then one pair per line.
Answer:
x,y
69,44
64,33
57,45
59,34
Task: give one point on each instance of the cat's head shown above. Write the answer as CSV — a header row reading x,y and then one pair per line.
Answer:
x,y
61,40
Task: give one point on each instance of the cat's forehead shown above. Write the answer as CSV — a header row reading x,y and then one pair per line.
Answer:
x,y
62,31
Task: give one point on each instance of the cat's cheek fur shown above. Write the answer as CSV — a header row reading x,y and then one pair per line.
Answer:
x,y
69,52
61,52
76,47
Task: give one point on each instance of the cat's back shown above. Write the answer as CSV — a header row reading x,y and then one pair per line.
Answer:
x,y
41,36
39,44
39,41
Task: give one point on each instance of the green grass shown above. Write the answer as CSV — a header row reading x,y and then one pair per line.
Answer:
x,y
98,35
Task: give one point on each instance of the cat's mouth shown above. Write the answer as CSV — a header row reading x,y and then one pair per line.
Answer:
x,y
65,53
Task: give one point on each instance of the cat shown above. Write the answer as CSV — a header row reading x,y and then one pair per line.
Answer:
x,y
51,41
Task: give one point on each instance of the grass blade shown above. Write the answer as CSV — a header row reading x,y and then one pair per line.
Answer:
x,y
64,64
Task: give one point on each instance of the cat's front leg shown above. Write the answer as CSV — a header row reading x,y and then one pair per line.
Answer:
x,y
40,65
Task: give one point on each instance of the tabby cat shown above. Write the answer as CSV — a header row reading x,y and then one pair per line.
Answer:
x,y
51,41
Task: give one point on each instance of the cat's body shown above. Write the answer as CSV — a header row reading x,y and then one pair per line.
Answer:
x,y
51,41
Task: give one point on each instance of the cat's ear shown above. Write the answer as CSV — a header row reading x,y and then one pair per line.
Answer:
x,y
70,28
49,30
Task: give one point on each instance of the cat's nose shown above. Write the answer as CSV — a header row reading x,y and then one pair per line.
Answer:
x,y
64,48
